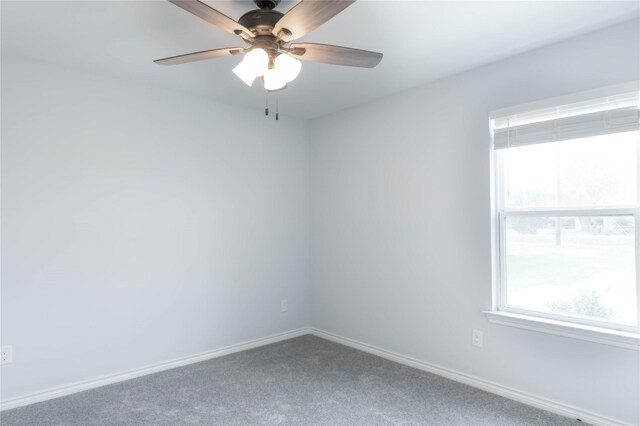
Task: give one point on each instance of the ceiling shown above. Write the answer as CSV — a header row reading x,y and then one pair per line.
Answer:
x,y
422,41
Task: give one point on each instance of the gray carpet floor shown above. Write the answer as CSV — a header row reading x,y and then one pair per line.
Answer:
x,y
302,381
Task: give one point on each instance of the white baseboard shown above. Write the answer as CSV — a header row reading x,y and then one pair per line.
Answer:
x,y
507,392
130,374
514,394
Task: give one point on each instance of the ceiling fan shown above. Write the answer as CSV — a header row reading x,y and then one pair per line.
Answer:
x,y
268,33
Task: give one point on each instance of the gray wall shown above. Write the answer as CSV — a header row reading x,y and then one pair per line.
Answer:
x,y
401,239
140,225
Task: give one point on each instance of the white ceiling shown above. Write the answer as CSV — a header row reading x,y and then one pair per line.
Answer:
x,y
421,40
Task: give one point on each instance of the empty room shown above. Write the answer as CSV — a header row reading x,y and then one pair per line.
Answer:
x,y
320,212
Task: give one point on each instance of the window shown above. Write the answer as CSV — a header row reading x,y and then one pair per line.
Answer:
x,y
567,212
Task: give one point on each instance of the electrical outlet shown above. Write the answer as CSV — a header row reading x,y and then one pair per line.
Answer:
x,y
283,305
6,355
476,338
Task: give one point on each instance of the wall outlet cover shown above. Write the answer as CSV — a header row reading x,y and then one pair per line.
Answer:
x,y
476,338
6,354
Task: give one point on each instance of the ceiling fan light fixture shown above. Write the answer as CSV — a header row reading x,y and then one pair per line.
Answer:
x,y
274,80
258,61
245,73
269,34
287,67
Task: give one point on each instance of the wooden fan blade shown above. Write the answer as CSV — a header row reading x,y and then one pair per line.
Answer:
x,y
335,55
212,16
306,16
199,56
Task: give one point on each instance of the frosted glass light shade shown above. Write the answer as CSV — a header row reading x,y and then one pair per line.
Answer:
x,y
258,61
274,80
288,67
245,73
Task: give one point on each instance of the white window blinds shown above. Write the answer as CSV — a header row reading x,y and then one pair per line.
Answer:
x,y
604,115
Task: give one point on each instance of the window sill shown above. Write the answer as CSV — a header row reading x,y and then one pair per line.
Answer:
x,y
622,339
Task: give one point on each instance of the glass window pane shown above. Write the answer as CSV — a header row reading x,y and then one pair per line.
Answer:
x,y
581,266
595,171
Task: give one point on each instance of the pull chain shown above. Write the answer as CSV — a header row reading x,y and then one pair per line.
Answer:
x,y
266,106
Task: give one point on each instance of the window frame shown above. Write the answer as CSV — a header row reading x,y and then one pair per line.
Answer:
x,y
500,213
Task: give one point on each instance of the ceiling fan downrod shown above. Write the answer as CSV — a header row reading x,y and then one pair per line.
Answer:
x,y
266,4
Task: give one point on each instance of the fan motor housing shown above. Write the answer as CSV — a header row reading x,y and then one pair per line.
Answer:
x,y
261,21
